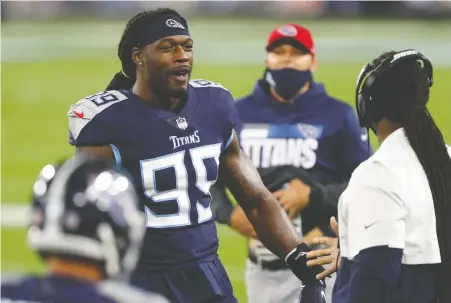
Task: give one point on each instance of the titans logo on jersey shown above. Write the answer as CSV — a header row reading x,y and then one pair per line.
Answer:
x,y
172,157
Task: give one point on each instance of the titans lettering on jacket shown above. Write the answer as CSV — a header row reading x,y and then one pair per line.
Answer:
x,y
315,132
173,159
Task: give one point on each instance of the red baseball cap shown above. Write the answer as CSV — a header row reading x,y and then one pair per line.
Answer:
x,y
293,34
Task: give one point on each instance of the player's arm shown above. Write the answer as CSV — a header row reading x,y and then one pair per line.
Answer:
x,y
228,213
270,221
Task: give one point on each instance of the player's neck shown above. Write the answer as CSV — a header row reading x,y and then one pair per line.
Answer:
x,y
73,269
148,96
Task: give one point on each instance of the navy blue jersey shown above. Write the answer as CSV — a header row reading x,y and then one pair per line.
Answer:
x,y
54,289
173,159
316,132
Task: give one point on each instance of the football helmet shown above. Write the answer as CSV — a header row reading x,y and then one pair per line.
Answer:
x,y
84,209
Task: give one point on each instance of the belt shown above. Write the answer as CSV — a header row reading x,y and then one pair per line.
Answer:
x,y
268,265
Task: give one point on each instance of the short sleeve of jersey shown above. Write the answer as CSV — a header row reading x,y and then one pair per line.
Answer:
x,y
371,211
86,127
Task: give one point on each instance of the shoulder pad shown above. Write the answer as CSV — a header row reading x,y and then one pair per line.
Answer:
x,y
85,110
121,292
90,106
205,83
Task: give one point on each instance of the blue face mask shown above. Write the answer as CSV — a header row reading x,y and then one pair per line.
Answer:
x,y
287,81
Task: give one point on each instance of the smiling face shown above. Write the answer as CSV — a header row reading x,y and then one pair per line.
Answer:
x,y
166,65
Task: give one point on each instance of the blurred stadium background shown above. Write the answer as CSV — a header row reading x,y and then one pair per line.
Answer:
x,y
54,53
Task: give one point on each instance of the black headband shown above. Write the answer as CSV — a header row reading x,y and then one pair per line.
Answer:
x,y
163,26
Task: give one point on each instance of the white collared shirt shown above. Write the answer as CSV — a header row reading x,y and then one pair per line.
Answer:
x,y
389,202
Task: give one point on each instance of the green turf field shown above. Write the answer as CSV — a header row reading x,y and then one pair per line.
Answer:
x,y
36,95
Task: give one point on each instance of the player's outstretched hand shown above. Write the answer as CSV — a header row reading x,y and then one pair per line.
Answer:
x,y
325,256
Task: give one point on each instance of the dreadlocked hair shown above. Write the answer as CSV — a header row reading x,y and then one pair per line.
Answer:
x,y
402,94
125,79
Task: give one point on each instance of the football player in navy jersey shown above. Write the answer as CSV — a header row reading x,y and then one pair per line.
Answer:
x,y
85,225
175,137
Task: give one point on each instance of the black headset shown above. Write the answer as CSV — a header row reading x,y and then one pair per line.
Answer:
x,y
370,74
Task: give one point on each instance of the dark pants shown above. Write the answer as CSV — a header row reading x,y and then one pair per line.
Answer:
x,y
205,282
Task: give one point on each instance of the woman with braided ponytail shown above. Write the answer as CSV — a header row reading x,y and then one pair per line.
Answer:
x,y
395,215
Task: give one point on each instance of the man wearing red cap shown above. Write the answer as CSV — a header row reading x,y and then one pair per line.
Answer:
x,y
305,145
290,62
